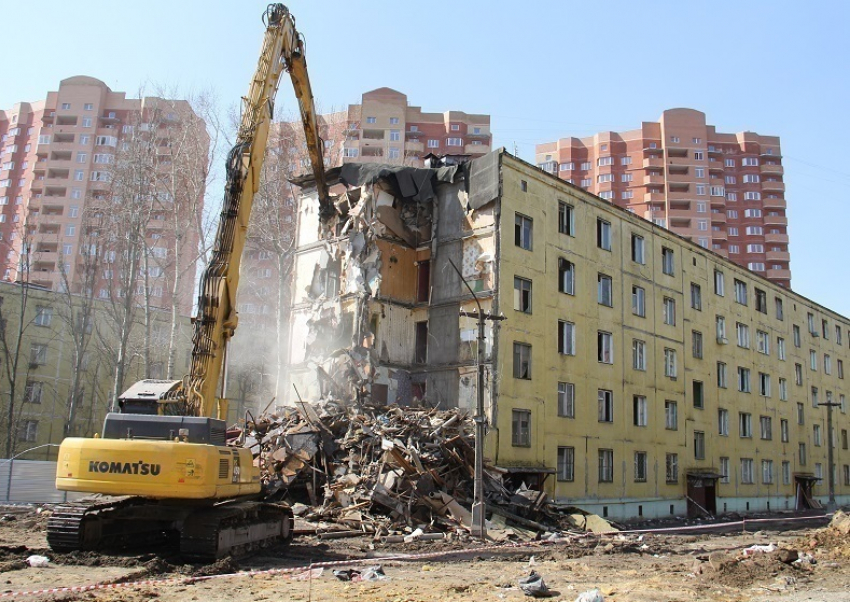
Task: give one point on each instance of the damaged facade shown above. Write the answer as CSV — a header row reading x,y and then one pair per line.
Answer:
x,y
611,384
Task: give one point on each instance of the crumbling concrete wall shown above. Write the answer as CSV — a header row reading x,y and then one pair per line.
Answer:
x,y
369,324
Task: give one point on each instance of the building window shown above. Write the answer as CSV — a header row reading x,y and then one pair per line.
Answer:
x,y
740,292
566,400
38,354
638,301
605,347
802,454
696,296
433,143
669,311
766,425
696,339
762,342
33,391
816,436
603,234
28,431
780,313
699,445
746,471
522,231
801,416
454,141
566,338
840,368
605,293
640,410
641,465
521,428
724,470
670,363
566,463
783,430
721,375
606,405
723,422
761,298
522,295
43,316
699,394
719,283
606,465
566,219
667,264
671,465
783,389
721,330
813,360
743,380
827,364
638,249
742,332
522,361
745,424
780,348
798,374
639,355
566,276
671,415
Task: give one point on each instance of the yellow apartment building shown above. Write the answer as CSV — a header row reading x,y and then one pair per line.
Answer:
x,y
636,373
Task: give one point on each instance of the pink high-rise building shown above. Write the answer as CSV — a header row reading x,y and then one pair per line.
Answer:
x,y
723,191
58,160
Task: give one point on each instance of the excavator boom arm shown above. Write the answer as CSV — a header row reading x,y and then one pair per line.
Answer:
x,y
283,48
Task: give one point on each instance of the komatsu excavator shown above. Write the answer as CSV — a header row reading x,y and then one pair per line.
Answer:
x,y
161,465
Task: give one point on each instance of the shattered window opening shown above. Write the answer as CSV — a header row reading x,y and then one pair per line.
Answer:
x,y
566,276
566,463
523,231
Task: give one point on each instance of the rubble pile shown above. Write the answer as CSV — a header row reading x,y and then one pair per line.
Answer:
x,y
387,470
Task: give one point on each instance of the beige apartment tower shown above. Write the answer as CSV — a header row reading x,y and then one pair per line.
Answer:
x,y
723,191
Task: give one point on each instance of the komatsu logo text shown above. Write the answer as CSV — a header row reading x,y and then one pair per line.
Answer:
x,y
141,468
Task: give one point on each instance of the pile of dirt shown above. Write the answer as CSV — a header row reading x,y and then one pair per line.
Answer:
x,y
739,571
833,541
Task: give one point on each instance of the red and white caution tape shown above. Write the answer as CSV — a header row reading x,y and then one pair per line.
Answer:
x,y
295,572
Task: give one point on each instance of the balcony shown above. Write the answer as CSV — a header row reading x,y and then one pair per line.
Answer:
x,y
478,136
48,229
653,180
480,149
413,146
66,120
775,220
654,197
48,116
718,217
775,238
777,203
677,170
768,185
680,187
372,135
719,235
779,274
774,256
772,169
652,162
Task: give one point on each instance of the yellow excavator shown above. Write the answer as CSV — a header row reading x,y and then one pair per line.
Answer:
x,y
161,466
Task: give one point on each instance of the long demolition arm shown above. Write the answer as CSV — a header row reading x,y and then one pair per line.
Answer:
x,y
283,48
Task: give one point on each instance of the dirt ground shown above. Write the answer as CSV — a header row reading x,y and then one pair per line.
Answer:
x,y
625,568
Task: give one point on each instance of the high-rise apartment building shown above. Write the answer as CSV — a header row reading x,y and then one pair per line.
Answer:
x,y
69,164
386,129
722,191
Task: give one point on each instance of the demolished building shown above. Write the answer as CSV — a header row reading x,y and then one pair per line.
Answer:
x,y
599,390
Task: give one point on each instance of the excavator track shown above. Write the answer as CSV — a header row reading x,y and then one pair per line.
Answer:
x,y
89,524
235,529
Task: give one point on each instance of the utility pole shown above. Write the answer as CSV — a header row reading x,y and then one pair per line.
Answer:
x,y
479,506
830,459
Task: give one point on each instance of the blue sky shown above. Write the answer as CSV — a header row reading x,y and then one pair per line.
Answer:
x,y
543,70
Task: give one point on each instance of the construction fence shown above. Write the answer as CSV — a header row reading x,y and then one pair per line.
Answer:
x,y
31,481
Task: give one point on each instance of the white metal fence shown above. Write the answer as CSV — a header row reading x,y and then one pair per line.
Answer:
x,y
32,481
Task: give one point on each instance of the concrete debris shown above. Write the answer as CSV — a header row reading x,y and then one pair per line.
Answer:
x,y
389,471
